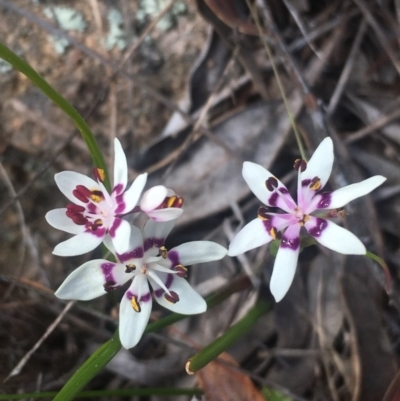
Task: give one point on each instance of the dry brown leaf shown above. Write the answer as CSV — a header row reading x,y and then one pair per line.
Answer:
x,y
220,382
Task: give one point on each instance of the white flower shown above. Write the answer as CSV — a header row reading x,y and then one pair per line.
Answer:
x,y
145,260
161,204
312,178
94,212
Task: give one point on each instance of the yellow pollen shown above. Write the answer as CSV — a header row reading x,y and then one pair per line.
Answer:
x,y
273,232
98,222
171,201
135,304
316,185
96,196
164,252
101,174
263,217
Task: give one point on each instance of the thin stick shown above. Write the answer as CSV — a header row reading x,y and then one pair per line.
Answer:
x,y
49,330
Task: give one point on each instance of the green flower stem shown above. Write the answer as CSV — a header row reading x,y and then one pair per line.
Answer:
x,y
385,268
222,343
100,358
91,143
167,391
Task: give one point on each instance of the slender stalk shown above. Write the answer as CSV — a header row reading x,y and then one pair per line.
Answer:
x,y
222,343
385,268
91,143
167,391
278,80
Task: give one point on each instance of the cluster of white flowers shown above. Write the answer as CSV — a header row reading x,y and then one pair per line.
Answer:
x,y
96,217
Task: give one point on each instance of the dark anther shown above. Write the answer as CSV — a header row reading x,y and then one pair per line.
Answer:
x,y
315,184
99,174
172,297
271,183
164,252
300,164
109,286
262,213
182,270
82,193
130,267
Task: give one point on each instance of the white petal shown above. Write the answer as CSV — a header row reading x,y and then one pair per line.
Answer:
x,y
107,241
196,252
58,219
120,168
87,281
120,232
153,198
334,237
78,245
134,252
252,235
131,196
68,180
344,195
284,270
321,162
169,213
255,176
131,323
190,302
159,230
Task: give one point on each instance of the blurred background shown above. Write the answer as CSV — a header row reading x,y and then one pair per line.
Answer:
x,y
188,88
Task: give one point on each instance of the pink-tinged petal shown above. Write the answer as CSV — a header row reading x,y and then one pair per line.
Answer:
x,y
342,196
194,252
120,168
285,262
256,176
167,214
155,233
132,323
320,166
68,180
59,220
334,237
153,198
134,252
79,244
120,232
92,279
190,302
252,235
129,199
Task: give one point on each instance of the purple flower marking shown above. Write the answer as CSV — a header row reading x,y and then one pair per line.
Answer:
x,y
173,256
325,201
134,254
160,291
107,269
291,243
117,222
317,230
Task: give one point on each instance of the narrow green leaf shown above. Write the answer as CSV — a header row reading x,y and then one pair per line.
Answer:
x,y
96,362
167,391
385,268
90,368
62,103
222,343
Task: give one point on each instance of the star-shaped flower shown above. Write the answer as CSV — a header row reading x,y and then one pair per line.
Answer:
x,y
312,178
94,212
145,260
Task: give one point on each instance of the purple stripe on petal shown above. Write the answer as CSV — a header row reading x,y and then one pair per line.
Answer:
x,y
283,190
107,269
91,208
273,199
305,182
118,189
173,256
320,226
268,225
121,204
145,297
148,243
113,229
291,243
135,254
129,295
160,291
98,232
325,200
